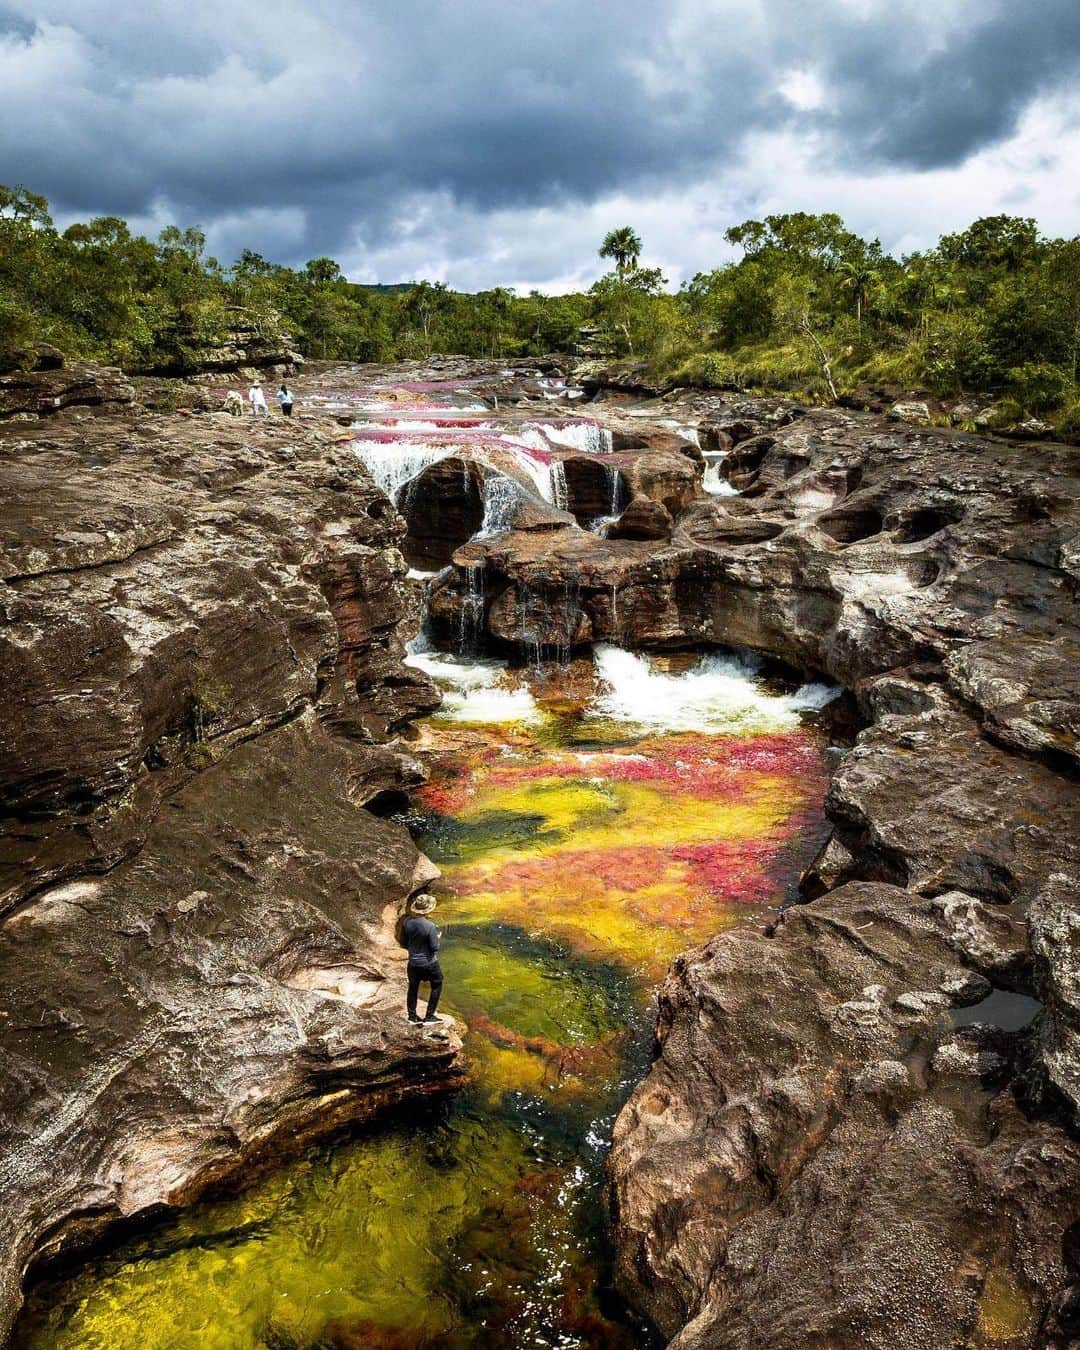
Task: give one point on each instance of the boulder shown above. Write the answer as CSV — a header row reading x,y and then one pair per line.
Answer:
x,y
642,519
823,1153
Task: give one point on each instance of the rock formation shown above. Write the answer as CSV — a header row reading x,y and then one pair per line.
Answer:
x,y
46,383
201,664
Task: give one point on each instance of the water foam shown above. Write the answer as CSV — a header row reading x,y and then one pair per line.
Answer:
x,y
712,482
722,693
393,464
471,687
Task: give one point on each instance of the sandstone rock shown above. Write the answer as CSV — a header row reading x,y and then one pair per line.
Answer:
x,y
171,592
49,388
200,649
40,356
642,519
771,1146
228,995
793,1171
913,411
1054,932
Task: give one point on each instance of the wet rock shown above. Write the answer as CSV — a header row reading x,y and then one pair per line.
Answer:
x,y
201,641
934,574
1054,932
443,508
642,519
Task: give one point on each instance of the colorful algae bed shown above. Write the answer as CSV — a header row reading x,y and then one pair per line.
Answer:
x,y
581,847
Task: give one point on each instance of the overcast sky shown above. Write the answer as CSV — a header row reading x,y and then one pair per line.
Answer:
x,y
485,142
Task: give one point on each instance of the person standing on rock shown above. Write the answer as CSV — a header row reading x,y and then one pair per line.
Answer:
x,y
285,398
257,399
421,937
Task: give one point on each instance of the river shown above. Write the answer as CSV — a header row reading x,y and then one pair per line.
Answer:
x,y
591,822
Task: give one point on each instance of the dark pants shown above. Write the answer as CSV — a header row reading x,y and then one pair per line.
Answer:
x,y
286,408
419,975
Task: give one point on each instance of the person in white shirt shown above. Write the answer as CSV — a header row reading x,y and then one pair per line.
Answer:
x,y
285,398
257,399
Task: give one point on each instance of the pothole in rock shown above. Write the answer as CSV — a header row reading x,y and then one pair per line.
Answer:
x,y
1001,1008
924,522
852,524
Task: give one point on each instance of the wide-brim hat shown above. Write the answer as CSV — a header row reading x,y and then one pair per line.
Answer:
x,y
423,904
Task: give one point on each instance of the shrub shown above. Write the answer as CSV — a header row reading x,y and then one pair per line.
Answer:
x,y
1038,386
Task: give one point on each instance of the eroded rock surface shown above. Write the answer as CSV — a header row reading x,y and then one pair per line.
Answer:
x,y
201,662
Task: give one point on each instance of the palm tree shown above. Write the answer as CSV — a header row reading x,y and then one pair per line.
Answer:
x,y
624,246
859,275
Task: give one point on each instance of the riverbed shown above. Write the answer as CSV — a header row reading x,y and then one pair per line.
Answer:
x,y
589,828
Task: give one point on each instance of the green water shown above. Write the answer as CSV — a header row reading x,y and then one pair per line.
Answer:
x,y
478,1221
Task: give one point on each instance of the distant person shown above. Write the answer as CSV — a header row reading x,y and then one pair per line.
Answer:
x,y
421,937
285,398
234,404
257,399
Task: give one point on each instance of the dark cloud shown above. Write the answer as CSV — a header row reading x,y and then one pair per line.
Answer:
x,y
309,126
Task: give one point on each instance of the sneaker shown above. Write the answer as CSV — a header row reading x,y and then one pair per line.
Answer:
x,y
434,1017
414,1018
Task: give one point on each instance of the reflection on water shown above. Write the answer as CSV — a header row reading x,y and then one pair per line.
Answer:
x,y
582,846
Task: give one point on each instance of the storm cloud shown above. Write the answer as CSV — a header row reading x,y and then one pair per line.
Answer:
x,y
479,141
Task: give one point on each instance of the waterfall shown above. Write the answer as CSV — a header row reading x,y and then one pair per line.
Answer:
x,y
393,464
712,482
502,496
616,502
560,495
588,437
472,606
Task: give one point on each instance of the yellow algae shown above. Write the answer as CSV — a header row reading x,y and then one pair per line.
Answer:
x,y
644,815
1005,1311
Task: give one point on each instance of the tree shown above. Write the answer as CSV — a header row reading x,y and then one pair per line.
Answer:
x,y
625,302
624,246
858,274
423,304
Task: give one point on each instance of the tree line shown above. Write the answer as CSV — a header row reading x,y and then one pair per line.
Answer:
x,y
808,306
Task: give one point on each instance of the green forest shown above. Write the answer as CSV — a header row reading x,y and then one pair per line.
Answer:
x,y
808,307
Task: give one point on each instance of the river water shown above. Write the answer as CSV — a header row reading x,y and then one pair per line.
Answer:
x,y
590,823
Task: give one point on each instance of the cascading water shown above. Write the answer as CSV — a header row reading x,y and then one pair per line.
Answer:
x,y
560,495
616,502
585,436
712,482
472,606
394,465
502,497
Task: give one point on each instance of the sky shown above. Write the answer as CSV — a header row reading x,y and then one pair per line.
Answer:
x,y
495,142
